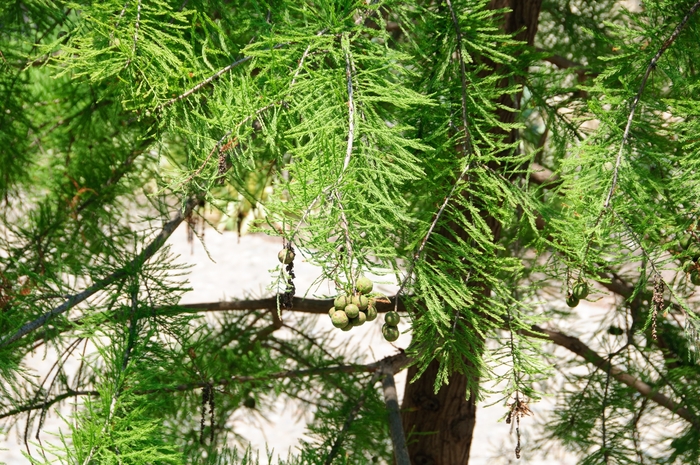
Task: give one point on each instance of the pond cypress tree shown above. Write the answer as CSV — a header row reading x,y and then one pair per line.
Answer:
x,y
501,160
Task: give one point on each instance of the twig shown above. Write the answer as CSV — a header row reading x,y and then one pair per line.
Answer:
x,y
467,141
136,26
121,15
650,67
75,299
249,117
203,83
217,146
48,403
395,427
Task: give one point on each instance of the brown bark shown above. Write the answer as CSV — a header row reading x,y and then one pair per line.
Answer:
x,y
440,426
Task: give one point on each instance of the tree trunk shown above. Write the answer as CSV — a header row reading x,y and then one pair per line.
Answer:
x,y
440,426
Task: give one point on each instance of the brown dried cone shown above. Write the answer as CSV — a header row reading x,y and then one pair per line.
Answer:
x,y
285,256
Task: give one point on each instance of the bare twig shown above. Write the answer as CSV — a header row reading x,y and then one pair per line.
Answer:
x,y
650,67
137,262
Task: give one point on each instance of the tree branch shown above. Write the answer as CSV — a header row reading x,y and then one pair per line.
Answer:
x,y
140,259
301,305
576,346
395,426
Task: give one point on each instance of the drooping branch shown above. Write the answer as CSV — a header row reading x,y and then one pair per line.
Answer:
x,y
576,346
136,263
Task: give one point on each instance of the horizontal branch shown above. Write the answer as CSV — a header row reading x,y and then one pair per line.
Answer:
x,y
137,262
300,305
576,346
48,403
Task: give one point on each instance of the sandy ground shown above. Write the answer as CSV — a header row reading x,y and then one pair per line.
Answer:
x,y
242,269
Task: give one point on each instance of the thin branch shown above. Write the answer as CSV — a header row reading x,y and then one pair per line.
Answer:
x,y
351,106
395,426
208,80
136,26
650,67
576,346
48,403
137,262
467,141
300,305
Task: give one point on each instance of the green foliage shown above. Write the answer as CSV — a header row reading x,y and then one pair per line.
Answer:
x,y
375,137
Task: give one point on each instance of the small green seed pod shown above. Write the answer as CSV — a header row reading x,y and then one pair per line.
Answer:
x,y
341,301
371,313
390,333
364,285
340,319
361,301
572,301
348,326
695,277
392,319
352,310
581,290
360,320
332,311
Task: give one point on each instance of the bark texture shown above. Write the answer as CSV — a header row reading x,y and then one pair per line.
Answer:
x,y
440,426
